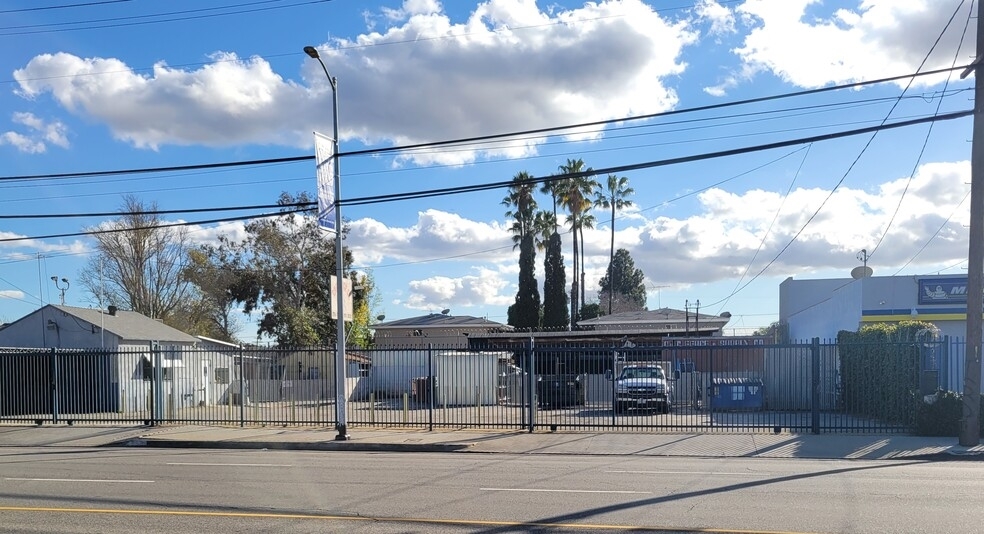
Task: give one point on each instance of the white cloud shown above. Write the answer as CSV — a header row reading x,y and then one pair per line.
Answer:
x,y
25,247
509,66
11,294
481,290
720,240
22,143
436,235
877,38
411,8
721,18
234,231
228,102
717,242
41,134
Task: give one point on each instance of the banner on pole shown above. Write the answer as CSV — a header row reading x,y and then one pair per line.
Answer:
x,y
347,291
324,155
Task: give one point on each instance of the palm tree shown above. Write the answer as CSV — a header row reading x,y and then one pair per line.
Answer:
x,y
544,225
614,197
552,188
573,195
522,206
587,220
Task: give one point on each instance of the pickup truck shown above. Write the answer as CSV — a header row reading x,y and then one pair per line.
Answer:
x,y
641,387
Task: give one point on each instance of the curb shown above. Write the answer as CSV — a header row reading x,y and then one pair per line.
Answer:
x,y
293,446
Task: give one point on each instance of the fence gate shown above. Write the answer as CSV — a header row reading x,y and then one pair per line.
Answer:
x,y
679,385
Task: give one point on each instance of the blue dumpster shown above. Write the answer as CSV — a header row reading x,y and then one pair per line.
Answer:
x,y
737,394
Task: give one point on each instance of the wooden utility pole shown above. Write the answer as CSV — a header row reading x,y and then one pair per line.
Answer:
x,y
970,429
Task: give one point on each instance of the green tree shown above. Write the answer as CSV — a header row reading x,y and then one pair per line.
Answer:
x,y
626,282
613,196
776,331
573,194
139,264
522,207
215,273
525,311
590,311
556,314
285,266
366,299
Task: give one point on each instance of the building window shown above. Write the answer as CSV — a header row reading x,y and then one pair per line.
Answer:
x,y
147,370
313,373
221,375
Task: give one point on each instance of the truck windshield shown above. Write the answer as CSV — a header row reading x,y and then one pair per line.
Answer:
x,y
642,372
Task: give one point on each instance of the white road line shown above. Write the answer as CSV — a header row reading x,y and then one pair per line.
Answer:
x,y
108,481
716,473
534,490
228,465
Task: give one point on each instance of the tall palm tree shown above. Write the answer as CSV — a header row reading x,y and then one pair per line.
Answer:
x,y
544,225
573,195
552,188
522,207
587,220
613,196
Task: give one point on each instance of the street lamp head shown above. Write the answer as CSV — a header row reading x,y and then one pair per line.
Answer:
x,y
65,280
311,51
54,279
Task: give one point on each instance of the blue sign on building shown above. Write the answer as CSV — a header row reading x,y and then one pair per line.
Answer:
x,y
943,291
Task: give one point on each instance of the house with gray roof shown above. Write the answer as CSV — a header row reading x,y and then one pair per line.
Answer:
x,y
106,361
69,327
438,329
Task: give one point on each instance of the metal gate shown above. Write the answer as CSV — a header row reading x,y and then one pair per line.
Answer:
x,y
702,385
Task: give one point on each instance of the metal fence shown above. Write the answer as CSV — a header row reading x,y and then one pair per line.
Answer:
x,y
708,386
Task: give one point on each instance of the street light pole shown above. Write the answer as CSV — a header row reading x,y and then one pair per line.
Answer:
x,y
341,419
61,289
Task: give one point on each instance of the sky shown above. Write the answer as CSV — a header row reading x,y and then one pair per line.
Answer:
x,y
121,85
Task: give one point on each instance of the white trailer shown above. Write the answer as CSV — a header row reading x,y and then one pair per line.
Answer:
x,y
462,378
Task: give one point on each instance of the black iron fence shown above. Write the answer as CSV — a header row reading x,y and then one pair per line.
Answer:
x,y
692,385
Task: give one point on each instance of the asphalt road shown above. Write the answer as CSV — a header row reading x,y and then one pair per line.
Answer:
x,y
166,490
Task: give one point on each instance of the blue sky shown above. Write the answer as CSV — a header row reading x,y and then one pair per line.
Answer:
x,y
133,84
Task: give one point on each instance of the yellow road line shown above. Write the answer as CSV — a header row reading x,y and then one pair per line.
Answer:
x,y
467,522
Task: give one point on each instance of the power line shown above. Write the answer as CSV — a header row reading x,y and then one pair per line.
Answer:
x,y
153,227
54,27
610,170
929,132
864,149
158,212
435,144
651,164
66,6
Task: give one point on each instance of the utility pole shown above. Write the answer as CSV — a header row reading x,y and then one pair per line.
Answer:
x,y
970,429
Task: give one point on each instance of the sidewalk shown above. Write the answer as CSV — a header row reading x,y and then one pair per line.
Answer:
x,y
718,445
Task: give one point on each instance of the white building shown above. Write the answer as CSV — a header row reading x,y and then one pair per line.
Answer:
x,y
108,360
823,307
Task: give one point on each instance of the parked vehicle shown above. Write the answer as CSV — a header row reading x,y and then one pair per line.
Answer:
x,y
560,391
641,387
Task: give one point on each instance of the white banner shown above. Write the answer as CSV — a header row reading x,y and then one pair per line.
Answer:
x,y
324,152
347,291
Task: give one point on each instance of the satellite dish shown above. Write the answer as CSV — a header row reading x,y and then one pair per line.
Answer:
x,y
380,317
861,271
445,311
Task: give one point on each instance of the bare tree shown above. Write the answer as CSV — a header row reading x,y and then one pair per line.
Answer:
x,y
139,264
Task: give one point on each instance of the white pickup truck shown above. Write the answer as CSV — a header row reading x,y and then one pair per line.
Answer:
x,y
641,387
